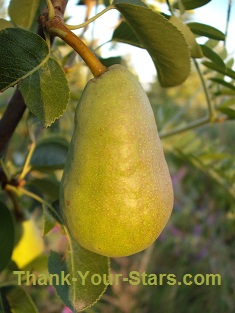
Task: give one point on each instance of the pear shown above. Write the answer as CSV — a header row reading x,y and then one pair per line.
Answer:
x,y
116,193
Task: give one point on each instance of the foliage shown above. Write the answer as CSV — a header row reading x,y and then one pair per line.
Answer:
x,y
196,122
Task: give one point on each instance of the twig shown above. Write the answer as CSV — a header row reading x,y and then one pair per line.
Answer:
x,y
210,117
227,21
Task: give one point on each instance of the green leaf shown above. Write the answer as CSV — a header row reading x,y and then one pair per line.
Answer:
x,y
7,235
49,221
18,56
111,61
206,156
230,112
230,63
213,56
47,186
46,92
194,47
190,4
5,24
227,108
18,300
223,83
164,42
50,154
206,30
124,33
225,71
79,294
23,12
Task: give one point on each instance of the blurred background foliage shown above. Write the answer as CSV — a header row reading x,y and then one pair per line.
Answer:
x,y
200,236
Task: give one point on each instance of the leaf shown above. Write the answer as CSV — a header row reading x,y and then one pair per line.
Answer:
x,y
23,12
18,300
207,157
213,56
230,63
7,235
50,154
111,61
190,4
18,56
46,92
194,47
83,269
5,24
49,221
222,82
228,108
164,42
226,71
47,186
206,30
230,112
124,33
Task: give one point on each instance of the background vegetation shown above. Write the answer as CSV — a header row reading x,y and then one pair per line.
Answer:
x,y
200,236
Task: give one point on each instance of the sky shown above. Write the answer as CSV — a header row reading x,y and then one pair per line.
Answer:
x,y
214,13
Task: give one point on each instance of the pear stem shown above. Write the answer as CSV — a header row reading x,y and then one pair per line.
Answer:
x,y
56,27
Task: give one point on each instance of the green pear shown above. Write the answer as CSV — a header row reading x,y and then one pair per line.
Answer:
x,y
116,193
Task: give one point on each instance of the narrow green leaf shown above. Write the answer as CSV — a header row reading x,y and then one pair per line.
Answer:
x,y
227,103
230,112
223,83
213,156
224,92
23,12
190,4
51,215
212,164
18,56
227,108
225,71
124,33
19,301
49,221
230,63
213,56
50,154
194,47
111,61
206,30
85,271
46,92
5,24
7,235
164,42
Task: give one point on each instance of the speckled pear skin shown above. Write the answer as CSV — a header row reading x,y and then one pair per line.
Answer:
x,y
116,193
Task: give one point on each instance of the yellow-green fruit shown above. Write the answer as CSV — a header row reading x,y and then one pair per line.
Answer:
x,y
30,245
116,193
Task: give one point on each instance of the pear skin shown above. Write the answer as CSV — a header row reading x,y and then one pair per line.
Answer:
x,y
116,193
